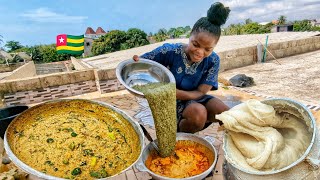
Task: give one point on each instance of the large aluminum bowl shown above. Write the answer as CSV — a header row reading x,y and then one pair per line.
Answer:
x,y
180,136
280,105
39,174
131,73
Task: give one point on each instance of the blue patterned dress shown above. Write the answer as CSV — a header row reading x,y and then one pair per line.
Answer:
x,y
188,77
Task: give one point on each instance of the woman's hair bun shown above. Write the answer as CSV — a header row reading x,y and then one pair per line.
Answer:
x,y
218,14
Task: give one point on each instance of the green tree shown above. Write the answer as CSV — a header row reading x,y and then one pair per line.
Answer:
x,y
109,42
282,20
187,28
49,53
161,35
16,59
265,28
234,29
251,28
171,32
179,31
13,45
303,25
98,48
35,54
46,54
135,38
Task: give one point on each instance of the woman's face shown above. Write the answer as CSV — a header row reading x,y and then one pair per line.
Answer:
x,y
200,46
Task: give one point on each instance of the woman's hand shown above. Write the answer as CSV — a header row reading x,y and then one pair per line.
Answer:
x,y
135,58
188,95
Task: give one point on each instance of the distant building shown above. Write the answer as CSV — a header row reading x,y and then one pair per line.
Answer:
x,y
90,33
100,32
315,22
275,21
89,36
282,28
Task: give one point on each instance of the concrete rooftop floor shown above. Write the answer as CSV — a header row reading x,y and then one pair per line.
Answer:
x,y
297,77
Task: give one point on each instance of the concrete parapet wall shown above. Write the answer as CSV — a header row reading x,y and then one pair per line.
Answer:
x,y
27,70
246,56
53,86
237,58
293,47
49,93
44,81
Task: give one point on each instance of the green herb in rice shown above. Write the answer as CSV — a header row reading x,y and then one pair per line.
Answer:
x,y
162,101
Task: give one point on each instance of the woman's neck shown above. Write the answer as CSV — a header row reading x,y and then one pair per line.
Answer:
x,y
187,54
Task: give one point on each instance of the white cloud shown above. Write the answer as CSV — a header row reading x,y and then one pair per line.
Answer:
x,y
269,10
279,5
46,15
239,3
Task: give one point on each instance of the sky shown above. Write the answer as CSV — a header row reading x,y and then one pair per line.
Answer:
x,y
34,22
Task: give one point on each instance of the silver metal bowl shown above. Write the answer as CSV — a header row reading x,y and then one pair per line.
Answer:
x,y
283,105
207,142
145,71
39,174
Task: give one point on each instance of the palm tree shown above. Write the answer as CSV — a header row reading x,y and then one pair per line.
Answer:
x,y
248,21
13,45
282,20
163,32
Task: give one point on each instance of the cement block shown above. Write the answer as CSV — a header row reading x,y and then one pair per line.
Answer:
x,y
223,66
25,84
101,74
288,52
4,87
85,75
51,80
299,50
274,46
240,52
278,53
317,45
222,55
311,47
308,40
300,42
284,45
66,79
246,60
111,73
231,54
293,43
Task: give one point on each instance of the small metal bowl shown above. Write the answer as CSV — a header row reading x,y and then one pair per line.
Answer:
x,y
145,71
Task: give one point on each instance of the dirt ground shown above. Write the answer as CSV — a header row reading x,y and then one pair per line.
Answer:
x,y
298,77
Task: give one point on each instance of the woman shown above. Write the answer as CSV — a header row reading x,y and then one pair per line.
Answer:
x,y
195,67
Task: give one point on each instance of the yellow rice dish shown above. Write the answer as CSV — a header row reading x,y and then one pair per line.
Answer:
x,y
74,139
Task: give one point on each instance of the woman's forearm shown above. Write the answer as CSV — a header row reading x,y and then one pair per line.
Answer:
x,y
189,95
